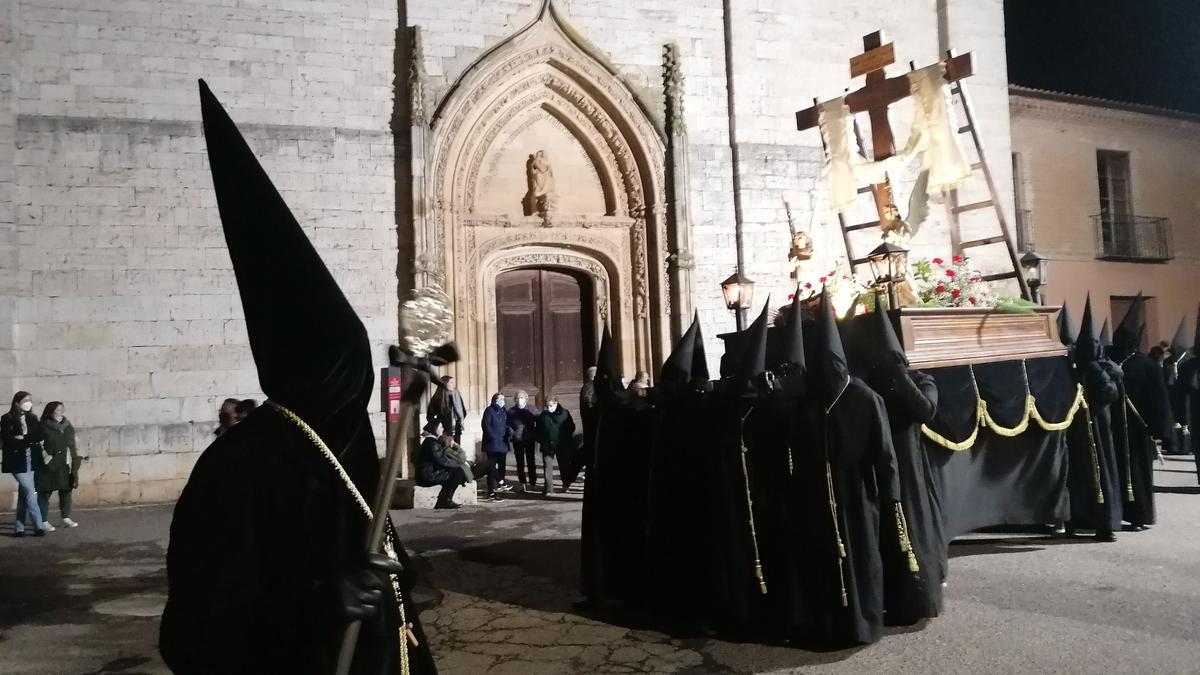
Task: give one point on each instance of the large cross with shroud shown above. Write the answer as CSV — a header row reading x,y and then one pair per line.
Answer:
x,y
874,98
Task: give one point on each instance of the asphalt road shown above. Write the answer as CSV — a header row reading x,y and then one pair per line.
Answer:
x,y
499,580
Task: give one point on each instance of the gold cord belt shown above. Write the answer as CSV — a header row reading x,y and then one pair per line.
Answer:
x,y
406,634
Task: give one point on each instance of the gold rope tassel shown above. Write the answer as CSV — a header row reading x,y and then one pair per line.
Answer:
x,y
1095,454
833,508
758,569
905,542
1128,467
406,634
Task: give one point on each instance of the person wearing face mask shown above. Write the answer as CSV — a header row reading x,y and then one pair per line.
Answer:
x,y
555,432
22,440
61,470
496,436
522,418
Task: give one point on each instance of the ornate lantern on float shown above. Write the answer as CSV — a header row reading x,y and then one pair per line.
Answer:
x,y
889,264
739,295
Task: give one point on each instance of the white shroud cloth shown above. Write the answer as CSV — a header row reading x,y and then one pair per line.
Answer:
x,y
934,136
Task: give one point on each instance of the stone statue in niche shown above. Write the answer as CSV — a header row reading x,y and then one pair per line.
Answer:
x,y
542,199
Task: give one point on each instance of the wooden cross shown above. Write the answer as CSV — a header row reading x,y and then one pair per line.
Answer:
x,y
874,98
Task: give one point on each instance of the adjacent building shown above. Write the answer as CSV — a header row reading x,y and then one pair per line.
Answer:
x,y
1110,193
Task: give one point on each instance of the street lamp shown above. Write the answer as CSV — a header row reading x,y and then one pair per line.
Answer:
x,y
739,294
1039,271
889,264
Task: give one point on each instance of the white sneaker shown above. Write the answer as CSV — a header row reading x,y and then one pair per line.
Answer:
x,y
47,526
67,522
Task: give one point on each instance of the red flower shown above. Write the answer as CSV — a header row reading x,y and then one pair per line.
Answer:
x,y
950,273
791,296
957,259
971,300
808,284
821,280
937,261
941,288
955,293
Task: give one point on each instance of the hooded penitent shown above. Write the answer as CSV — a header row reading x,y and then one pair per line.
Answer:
x,y
608,370
1105,336
1094,470
753,359
699,357
259,591
1179,344
1065,329
677,369
828,369
1127,337
1087,343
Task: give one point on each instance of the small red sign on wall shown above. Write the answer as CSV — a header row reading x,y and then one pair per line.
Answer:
x,y
394,390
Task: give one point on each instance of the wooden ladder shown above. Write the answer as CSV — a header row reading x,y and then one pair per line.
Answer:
x,y
1004,236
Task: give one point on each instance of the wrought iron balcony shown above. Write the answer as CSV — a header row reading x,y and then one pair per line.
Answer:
x,y
1133,238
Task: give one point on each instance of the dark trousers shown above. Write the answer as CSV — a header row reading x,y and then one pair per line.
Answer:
x,y
64,503
459,478
496,464
525,458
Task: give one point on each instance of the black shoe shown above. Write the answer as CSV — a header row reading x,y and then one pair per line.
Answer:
x,y
39,533
19,534
447,505
493,497
1133,527
1107,536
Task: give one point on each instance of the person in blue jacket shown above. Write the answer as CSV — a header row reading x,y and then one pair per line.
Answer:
x,y
496,435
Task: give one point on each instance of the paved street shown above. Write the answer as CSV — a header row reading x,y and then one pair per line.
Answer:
x,y
501,579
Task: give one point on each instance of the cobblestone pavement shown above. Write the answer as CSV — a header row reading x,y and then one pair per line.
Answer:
x,y
499,580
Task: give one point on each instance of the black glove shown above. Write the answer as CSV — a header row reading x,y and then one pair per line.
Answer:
x,y
362,591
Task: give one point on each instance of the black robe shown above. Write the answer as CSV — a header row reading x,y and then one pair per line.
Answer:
x,y
910,596
1147,415
261,535
865,487
1189,381
1094,469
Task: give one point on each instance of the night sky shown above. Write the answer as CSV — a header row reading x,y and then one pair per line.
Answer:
x,y
1136,51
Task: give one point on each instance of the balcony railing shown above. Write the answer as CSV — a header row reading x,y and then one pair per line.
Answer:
x,y
1133,238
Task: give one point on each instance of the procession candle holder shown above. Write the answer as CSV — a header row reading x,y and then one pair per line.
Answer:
x,y
889,264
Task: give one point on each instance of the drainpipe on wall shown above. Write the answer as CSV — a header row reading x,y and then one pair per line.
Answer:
x,y
734,154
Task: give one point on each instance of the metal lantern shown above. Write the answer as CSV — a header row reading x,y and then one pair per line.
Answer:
x,y
1039,273
739,294
889,264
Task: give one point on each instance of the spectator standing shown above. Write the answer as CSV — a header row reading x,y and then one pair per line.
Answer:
x,y
21,435
556,432
495,443
447,407
522,418
60,471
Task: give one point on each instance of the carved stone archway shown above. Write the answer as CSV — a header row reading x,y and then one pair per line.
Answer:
x,y
541,95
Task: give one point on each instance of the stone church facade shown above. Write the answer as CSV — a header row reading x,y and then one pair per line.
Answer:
x,y
469,144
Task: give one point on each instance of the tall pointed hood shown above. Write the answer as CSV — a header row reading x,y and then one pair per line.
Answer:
x,y
309,346
608,370
1066,334
872,345
793,351
1196,337
1179,343
753,361
828,369
677,369
1127,337
1105,335
699,356
1087,344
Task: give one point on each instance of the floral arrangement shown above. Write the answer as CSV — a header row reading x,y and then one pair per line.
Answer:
x,y
951,285
844,287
